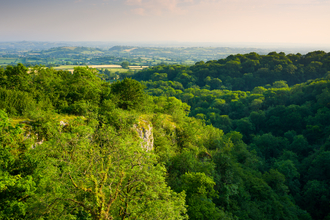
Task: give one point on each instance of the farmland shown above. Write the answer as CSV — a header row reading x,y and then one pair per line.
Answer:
x,y
108,67
136,56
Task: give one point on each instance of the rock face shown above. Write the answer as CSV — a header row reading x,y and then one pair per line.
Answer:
x,y
28,133
144,131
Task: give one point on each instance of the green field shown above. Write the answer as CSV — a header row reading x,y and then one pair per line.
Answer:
x,y
67,67
111,68
7,60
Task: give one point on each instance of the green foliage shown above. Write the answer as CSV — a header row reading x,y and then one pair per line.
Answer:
x,y
16,102
199,190
244,72
16,169
315,199
286,128
106,174
269,161
16,77
125,65
129,93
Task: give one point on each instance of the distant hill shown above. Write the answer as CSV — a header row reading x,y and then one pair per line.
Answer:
x,y
72,50
121,48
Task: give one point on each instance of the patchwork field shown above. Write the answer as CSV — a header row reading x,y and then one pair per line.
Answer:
x,y
109,67
5,61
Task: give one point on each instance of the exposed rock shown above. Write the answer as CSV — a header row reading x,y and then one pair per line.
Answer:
x,y
144,131
63,124
25,122
37,143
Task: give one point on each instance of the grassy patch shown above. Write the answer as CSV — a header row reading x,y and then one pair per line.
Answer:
x,y
111,68
7,60
22,120
69,48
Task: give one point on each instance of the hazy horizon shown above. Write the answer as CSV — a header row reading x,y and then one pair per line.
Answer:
x,y
260,47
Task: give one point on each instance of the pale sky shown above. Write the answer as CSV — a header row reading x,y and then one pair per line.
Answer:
x,y
262,21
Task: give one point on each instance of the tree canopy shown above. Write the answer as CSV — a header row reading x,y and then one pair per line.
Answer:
x,y
72,146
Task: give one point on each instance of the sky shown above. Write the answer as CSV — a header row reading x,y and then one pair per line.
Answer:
x,y
291,22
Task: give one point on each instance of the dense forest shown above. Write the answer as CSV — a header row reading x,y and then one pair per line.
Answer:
x,y
245,137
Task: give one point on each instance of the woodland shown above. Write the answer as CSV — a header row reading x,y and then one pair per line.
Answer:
x,y
244,137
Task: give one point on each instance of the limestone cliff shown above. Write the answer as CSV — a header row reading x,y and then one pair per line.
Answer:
x,y
144,130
